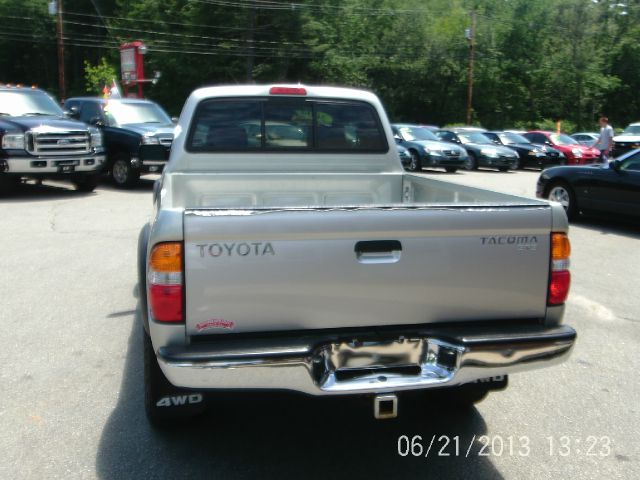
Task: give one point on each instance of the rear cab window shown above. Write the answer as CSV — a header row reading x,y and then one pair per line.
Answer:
x,y
285,124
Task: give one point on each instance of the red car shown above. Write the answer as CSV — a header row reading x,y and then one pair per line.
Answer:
x,y
576,154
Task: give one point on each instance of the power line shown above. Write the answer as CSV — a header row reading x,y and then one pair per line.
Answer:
x,y
137,20
155,22
292,6
88,42
101,17
183,35
166,41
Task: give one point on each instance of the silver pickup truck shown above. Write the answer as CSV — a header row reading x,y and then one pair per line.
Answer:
x,y
289,250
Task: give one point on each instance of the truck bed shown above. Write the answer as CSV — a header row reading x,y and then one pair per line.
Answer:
x,y
291,190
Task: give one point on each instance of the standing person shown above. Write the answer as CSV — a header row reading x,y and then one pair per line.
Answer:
x,y
605,140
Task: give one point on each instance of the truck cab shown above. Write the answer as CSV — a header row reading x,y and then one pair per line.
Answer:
x,y
40,142
137,134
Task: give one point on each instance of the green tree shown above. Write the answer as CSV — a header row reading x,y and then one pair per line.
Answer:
x,y
98,76
27,43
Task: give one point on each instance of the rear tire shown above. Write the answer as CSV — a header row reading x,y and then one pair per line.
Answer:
x,y
473,162
122,173
166,405
143,239
451,169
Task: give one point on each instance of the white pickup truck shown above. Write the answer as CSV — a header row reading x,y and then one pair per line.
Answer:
x,y
289,250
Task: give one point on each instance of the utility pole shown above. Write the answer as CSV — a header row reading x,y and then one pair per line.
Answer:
x,y
61,82
470,34
250,42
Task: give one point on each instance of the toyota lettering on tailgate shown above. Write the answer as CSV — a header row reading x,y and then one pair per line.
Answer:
x,y
257,249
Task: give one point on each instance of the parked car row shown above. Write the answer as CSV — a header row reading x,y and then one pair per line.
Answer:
x,y
628,140
473,148
427,150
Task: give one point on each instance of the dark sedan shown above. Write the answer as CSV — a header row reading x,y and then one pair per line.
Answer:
x,y
427,150
595,189
482,151
531,156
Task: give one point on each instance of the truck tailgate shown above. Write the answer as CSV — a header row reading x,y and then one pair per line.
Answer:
x,y
293,269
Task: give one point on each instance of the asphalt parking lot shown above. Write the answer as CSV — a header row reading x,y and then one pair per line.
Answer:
x,y
71,370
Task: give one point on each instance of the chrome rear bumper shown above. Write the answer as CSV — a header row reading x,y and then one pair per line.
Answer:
x,y
419,360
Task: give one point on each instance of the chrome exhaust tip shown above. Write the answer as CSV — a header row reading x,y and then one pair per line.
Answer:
x,y
385,406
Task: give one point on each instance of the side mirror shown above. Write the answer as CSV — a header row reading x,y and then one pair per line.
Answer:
x,y
174,119
73,112
397,138
97,122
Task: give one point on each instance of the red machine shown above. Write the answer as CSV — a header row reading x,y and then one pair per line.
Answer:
x,y
132,68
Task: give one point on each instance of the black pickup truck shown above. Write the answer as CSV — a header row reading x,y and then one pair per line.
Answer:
x,y
137,134
39,142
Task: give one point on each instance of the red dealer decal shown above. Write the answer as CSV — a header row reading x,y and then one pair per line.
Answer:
x,y
215,323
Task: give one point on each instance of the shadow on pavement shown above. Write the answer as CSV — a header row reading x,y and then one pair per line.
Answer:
x,y
42,192
280,435
609,225
59,190
144,184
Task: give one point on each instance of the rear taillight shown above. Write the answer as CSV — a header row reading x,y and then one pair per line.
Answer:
x,y
560,280
164,275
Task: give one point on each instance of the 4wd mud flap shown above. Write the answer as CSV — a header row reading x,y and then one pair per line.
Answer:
x,y
180,400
